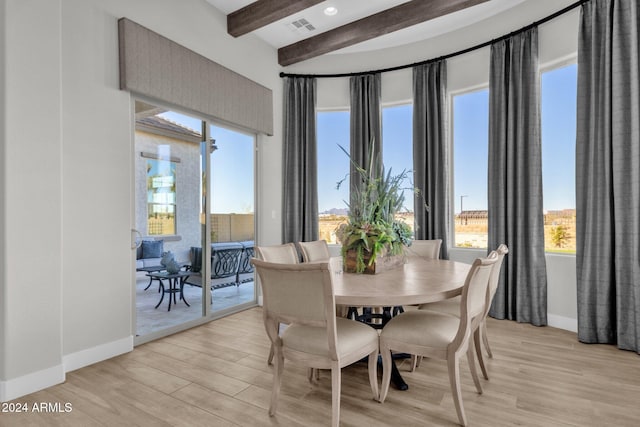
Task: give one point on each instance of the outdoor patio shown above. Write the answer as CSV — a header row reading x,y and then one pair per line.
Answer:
x,y
150,319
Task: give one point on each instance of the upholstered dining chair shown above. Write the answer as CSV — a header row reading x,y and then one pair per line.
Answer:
x,y
452,306
440,335
318,250
424,248
480,334
429,249
282,254
301,295
314,251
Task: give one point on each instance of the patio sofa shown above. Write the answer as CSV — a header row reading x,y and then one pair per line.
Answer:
x,y
149,253
230,264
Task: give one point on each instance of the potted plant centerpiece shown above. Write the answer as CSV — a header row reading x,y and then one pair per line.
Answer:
x,y
372,239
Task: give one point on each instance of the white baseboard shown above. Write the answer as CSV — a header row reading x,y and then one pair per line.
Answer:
x,y
561,322
31,383
36,381
97,354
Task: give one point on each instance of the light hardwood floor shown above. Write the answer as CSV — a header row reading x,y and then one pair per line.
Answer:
x,y
216,375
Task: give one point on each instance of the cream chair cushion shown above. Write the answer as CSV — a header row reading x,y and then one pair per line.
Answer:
x,y
309,339
407,328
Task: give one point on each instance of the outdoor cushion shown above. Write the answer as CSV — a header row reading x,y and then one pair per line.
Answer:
x,y
195,256
152,248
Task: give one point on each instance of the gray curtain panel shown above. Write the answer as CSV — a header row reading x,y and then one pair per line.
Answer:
x,y
608,174
300,169
365,122
431,153
515,179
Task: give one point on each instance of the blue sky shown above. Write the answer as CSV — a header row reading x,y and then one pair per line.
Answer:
x,y
470,155
231,166
333,163
559,97
232,171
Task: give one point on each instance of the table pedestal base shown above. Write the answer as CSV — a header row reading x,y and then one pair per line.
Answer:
x,y
369,317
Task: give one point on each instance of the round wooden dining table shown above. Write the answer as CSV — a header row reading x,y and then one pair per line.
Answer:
x,y
418,281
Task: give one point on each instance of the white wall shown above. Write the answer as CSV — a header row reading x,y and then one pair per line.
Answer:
x,y
557,41
32,200
67,299
3,278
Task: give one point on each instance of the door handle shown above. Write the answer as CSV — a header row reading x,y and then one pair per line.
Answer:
x,y
135,234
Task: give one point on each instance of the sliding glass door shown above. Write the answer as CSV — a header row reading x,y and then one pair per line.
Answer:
x,y
232,217
194,210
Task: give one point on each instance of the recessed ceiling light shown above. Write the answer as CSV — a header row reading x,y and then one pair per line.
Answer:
x,y
330,11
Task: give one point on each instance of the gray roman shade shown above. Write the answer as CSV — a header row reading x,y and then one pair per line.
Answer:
x,y
152,65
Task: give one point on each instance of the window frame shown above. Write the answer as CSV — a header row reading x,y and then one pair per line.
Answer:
x,y
452,197
346,182
565,61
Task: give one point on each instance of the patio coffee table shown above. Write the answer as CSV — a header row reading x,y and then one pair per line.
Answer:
x,y
176,285
151,269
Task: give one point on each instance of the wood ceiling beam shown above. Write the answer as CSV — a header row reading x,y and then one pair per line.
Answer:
x,y
376,25
264,12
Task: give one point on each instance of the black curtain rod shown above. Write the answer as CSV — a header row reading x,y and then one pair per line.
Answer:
x,y
450,55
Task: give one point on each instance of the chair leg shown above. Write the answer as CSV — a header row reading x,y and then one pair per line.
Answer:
x,y
414,363
335,395
386,372
270,358
477,343
454,380
373,373
472,366
277,380
485,340
313,375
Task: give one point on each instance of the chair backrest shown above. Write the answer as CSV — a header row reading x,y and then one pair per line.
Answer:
x,y
494,280
297,294
282,254
474,295
424,248
318,250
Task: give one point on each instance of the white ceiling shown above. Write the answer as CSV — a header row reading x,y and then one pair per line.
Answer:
x,y
282,33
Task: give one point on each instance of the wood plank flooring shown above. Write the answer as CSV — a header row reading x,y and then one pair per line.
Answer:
x,y
216,375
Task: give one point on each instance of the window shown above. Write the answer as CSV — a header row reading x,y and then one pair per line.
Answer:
x,y
397,151
333,166
161,196
470,156
559,91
